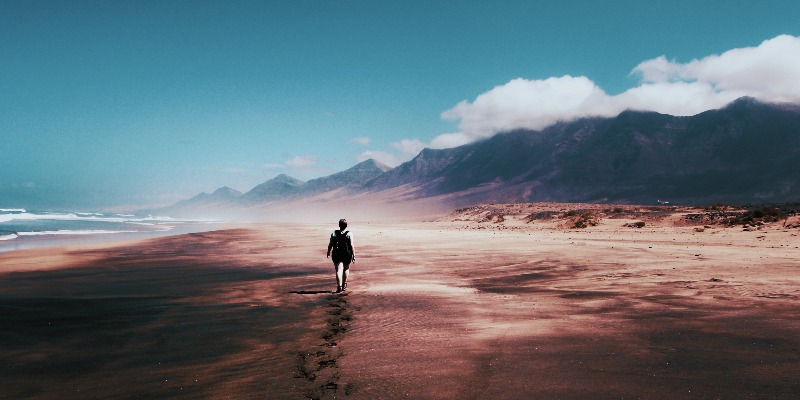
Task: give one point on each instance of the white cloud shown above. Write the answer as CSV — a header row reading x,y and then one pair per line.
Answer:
x,y
674,98
657,70
769,72
531,104
447,140
409,147
301,162
362,140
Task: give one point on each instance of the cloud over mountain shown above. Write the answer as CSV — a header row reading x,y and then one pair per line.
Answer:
x,y
769,72
532,104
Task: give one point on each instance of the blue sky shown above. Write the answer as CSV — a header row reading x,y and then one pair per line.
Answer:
x,y
143,103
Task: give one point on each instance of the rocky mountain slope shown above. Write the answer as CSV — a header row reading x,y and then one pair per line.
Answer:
x,y
743,153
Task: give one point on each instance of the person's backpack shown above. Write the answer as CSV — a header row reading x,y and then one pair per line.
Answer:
x,y
341,247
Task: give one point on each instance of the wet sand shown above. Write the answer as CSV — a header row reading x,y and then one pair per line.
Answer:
x,y
437,310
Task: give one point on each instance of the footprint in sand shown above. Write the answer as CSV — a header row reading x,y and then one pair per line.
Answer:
x,y
319,367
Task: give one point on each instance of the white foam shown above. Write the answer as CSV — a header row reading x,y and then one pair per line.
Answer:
x,y
6,217
150,223
10,236
13,210
73,232
88,217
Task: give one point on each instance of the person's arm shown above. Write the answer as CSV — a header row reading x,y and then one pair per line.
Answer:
x,y
330,246
352,250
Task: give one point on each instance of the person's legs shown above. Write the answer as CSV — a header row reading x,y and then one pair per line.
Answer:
x,y
345,274
339,268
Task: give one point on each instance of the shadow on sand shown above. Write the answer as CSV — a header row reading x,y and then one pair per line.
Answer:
x,y
311,291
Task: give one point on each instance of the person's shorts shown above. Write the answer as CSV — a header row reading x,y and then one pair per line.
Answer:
x,y
336,261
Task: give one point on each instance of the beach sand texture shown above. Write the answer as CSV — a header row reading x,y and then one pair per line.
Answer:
x,y
459,308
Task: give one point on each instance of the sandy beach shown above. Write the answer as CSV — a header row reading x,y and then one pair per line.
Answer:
x,y
483,304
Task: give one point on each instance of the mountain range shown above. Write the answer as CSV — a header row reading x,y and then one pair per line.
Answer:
x,y
746,152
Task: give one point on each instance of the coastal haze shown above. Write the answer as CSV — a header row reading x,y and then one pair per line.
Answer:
x,y
557,201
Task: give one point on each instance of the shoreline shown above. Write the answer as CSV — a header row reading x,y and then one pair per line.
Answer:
x,y
44,241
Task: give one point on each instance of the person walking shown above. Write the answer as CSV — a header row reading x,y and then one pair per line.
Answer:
x,y
341,243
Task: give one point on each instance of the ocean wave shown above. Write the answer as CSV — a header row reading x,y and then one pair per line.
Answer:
x,y
73,232
157,227
26,216
19,225
8,236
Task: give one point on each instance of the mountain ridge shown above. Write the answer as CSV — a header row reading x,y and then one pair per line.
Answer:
x,y
732,154
747,151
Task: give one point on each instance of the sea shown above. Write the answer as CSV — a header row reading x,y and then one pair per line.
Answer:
x,y
24,229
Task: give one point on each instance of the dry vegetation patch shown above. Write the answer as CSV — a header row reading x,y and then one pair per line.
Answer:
x,y
583,216
749,216
558,215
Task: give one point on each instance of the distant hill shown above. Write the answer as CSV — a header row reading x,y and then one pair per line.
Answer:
x,y
352,178
745,152
226,201
222,196
280,187
285,187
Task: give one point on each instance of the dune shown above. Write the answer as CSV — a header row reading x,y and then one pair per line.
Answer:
x,y
498,301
